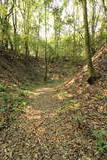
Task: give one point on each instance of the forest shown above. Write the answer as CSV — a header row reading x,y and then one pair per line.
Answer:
x,y
53,79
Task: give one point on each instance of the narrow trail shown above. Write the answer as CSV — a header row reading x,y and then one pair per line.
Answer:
x,y
43,106
34,135
44,132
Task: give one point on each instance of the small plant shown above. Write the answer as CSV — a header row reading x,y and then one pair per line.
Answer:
x,y
78,118
63,94
6,98
101,142
102,145
99,97
28,86
2,88
19,101
2,109
23,93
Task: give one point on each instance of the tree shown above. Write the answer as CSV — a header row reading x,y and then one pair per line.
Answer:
x,y
87,39
105,12
93,22
4,21
46,60
14,19
57,28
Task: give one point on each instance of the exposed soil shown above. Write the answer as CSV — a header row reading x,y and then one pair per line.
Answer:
x,y
60,121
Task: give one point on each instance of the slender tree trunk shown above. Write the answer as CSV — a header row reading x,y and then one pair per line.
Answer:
x,y
87,40
37,45
105,11
93,28
38,38
26,17
46,60
26,48
5,23
57,30
74,34
55,33
14,18
37,52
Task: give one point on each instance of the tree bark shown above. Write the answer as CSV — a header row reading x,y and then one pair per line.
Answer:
x,y
87,39
46,61
105,11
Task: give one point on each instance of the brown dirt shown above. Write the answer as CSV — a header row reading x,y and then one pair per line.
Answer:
x,y
58,124
48,129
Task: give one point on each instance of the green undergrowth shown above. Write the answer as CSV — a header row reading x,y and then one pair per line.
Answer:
x,y
101,140
12,102
30,86
2,88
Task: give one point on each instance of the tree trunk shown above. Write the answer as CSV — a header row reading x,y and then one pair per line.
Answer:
x,y
87,40
105,11
93,27
46,61
14,19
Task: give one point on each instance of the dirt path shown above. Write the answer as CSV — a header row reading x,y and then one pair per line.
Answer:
x,y
44,133
43,106
29,138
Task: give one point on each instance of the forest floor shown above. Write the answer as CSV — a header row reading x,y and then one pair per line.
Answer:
x,y
54,120
46,124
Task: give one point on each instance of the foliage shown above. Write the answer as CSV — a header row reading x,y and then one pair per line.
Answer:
x,y
2,88
12,102
101,142
66,38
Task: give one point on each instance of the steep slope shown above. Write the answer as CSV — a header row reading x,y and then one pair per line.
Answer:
x,y
89,102
18,68
23,69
